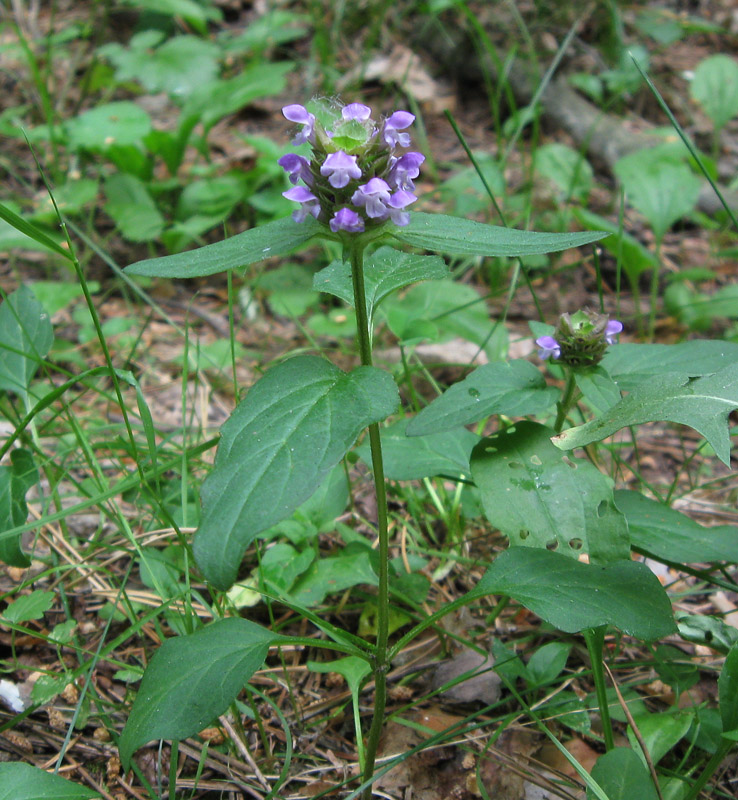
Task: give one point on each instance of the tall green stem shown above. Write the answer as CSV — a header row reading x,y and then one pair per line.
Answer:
x,y
355,251
595,639
566,401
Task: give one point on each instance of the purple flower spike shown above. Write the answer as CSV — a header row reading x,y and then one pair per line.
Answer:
x,y
404,169
300,115
347,220
549,347
374,197
397,203
356,111
309,203
612,329
397,122
340,168
297,167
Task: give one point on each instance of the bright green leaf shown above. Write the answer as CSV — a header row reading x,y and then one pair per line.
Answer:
x,y
351,567
573,596
660,732
292,428
515,388
19,781
623,776
26,337
715,88
567,169
456,236
539,498
29,606
122,122
272,239
702,403
29,233
191,680
132,208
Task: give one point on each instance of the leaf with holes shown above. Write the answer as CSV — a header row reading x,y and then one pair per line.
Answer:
x,y
702,403
539,499
291,429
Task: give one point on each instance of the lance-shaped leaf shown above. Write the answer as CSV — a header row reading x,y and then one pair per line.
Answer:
x,y
15,481
273,239
444,234
514,388
19,781
291,429
573,596
193,679
539,498
385,271
26,337
701,403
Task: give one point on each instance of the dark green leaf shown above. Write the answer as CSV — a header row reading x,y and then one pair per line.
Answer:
x,y
19,781
273,239
384,271
539,498
456,236
292,428
573,596
623,776
334,574
26,337
15,481
663,532
191,680
514,388
702,403
631,364
408,459
728,692
661,732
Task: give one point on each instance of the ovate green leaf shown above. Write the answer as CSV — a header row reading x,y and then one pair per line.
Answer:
x,y
191,680
26,337
292,428
623,776
573,596
19,781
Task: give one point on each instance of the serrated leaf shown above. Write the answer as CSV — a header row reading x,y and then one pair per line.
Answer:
x,y
408,459
632,364
623,776
515,388
15,481
702,403
540,499
444,234
573,596
192,679
385,271
291,429
273,239
26,336
19,781
663,532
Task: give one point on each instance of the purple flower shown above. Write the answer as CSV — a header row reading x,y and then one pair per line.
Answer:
x,y
356,111
404,169
549,347
339,168
297,167
612,329
299,114
397,122
309,203
374,196
397,203
347,220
